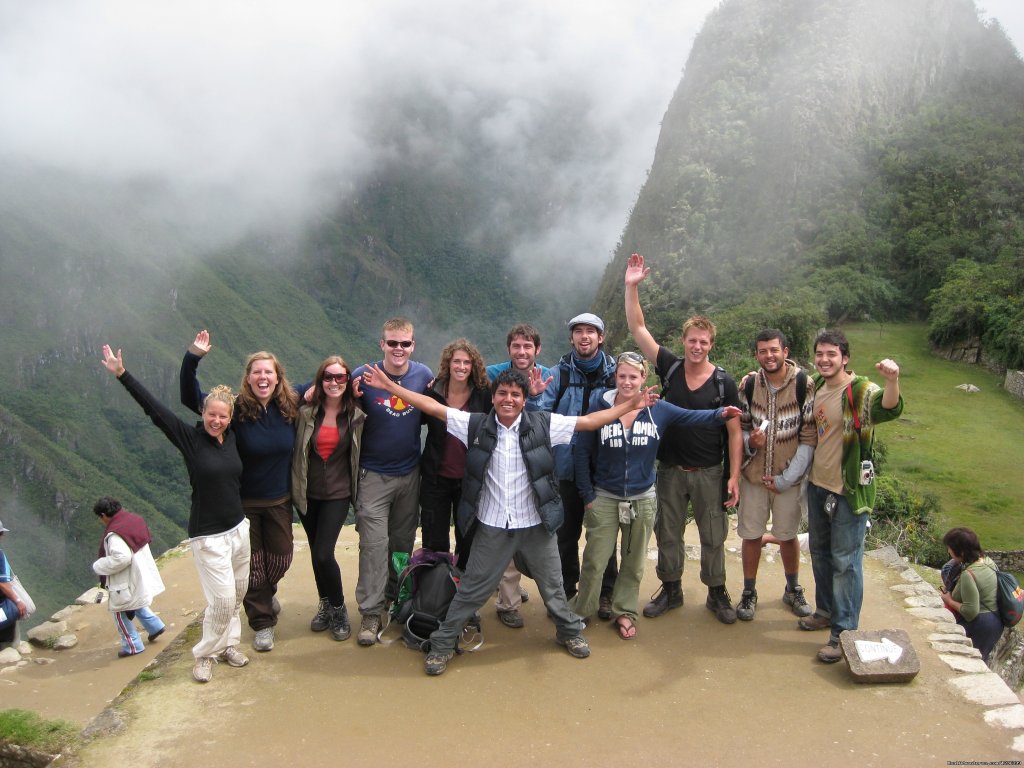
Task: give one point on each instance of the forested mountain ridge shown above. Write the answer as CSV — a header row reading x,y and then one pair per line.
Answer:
x,y
834,158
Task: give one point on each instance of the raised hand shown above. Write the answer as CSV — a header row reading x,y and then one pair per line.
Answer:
x,y
889,369
375,377
201,345
113,362
636,272
537,382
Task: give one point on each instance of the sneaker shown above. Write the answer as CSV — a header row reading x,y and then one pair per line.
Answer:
x,y
234,657
831,653
322,620
747,606
157,634
576,646
604,607
797,602
511,619
202,672
437,663
340,628
669,596
264,640
368,629
721,604
814,622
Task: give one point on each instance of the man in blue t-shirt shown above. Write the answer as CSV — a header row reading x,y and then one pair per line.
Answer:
x,y
387,504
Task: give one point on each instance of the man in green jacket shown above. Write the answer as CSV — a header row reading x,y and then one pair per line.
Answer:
x,y
841,492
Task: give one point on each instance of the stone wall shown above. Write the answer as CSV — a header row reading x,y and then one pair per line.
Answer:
x,y
1014,383
1012,560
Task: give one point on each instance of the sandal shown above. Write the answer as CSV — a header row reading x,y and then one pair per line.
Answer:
x,y
626,627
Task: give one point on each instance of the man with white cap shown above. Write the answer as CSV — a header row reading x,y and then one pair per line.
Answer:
x,y
577,383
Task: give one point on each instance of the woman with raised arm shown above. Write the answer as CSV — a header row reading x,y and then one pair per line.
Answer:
x,y
461,383
217,528
264,424
325,478
616,477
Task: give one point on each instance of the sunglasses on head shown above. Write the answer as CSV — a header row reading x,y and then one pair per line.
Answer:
x,y
395,343
631,357
341,378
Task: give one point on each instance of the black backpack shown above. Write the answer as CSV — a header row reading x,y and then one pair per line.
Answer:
x,y
434,580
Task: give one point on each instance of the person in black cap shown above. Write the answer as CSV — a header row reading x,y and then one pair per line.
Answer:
x,y
577,383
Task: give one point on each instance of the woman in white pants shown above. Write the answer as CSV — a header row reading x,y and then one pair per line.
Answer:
x,y
217,528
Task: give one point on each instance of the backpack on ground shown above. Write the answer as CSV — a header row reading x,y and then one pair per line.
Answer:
x,y
432,579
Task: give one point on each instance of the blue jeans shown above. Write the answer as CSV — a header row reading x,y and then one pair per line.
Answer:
x,y
837,558
149,620
131,643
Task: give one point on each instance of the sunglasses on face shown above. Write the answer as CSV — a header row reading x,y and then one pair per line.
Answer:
x,y
341,378
395,343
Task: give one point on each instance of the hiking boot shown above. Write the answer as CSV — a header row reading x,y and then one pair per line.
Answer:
x,y
721,604
234,657
322,620
576,646
437,662
340,627
157,634
524,596
202,672
511,619
831,653
604,607
814,622
264,640
797,602
368,629
747,606
669,596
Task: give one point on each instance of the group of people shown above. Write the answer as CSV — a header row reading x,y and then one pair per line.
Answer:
x,y
523,458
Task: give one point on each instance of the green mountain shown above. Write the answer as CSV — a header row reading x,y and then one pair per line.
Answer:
x,y
832,161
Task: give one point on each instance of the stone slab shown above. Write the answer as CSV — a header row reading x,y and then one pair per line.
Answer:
x,y
903,670
911,576
924,601
90,595
957,648
938,615
64,642
9,656
961,663
1007,717
50,629
65,613
949,629
914,589
941,637
987,689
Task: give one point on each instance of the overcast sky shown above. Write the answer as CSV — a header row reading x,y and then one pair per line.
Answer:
x,y
265,99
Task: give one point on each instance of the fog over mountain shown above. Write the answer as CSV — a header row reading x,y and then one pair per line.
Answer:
x,y
270,112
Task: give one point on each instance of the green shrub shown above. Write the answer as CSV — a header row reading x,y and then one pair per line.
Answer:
x,y
907,520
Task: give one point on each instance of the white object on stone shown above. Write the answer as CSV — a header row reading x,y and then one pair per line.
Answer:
x,y
871,651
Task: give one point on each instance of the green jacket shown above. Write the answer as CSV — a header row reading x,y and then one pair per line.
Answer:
x,y
867,399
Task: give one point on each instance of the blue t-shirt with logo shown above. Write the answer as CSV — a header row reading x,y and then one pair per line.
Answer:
x,y
391,432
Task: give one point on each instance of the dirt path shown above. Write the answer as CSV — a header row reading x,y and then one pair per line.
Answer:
x,y
688,691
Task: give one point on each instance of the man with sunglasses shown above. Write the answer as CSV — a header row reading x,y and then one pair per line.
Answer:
x,y
387,505
690,468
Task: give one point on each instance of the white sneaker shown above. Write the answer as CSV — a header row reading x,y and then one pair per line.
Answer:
x,y
234,657
203,669
264,640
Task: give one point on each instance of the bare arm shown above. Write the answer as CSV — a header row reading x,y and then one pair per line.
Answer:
x,y
375,377
735,461
636,272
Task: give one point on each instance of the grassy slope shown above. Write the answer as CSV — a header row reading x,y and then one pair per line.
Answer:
x,y
964,448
